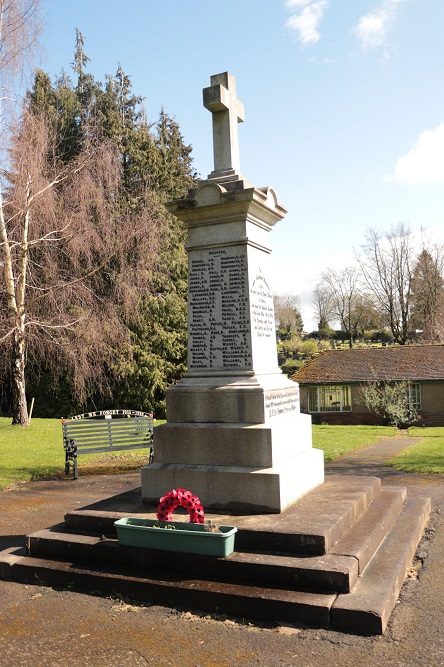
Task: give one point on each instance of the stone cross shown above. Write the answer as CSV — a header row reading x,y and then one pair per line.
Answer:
x,y
220,98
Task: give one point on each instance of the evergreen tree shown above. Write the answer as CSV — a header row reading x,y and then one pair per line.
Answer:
x,y
428,294
156,167
175,173
59,103
86,88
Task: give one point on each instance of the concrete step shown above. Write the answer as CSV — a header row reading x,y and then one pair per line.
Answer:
x,y
367,609
334,573
311,609
311,526
365,536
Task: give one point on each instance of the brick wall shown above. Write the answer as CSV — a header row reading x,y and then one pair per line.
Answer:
x,y
346,418
432,414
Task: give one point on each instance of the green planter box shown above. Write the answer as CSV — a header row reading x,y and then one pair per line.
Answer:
x,y
182,537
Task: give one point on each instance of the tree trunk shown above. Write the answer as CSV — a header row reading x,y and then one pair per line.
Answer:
x,y
19,407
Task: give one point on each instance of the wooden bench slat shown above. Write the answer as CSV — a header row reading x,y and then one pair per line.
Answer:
x,y
109,450
114,436
91,434
85,426
105,443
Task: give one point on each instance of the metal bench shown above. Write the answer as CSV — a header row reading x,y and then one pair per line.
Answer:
x,y
106,431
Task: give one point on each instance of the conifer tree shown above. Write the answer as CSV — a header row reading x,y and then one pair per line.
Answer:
x,y
428,294
155,166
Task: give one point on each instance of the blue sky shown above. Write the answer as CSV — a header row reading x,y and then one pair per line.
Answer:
x,y
344,105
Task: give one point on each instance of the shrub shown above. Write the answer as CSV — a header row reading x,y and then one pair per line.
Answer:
x,y
309,348
390,400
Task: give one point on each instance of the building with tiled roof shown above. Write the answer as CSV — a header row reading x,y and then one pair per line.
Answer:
x,y
330,383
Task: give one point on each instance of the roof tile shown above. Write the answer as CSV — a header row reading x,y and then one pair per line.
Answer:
x,y
403,362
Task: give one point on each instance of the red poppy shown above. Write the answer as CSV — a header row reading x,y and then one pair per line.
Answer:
x,y
182,498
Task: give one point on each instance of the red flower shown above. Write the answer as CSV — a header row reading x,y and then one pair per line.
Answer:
x,y
182,498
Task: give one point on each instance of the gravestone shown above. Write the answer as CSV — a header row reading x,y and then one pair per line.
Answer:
x,y
234,434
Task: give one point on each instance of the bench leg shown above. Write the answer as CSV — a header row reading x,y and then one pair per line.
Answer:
x,y
76,474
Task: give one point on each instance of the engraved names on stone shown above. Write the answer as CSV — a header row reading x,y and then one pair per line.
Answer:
x,y
219,321
278,403
262,309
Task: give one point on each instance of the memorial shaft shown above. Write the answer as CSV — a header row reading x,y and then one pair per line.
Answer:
x,y
234,432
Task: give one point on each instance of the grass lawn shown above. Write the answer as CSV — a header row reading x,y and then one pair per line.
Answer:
x,y
426,456
37,451
339,440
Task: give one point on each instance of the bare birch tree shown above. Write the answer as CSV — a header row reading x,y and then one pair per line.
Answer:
x,y
19,30
345,292
287,311
74,265
323,307
387,266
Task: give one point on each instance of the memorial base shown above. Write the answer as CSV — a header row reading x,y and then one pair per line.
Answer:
x,y
238,489
218,444
239,443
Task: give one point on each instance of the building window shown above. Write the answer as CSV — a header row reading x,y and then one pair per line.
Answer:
x,y
415,396
331,398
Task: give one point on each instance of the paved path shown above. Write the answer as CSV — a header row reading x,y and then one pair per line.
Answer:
x,y
43,627
372,460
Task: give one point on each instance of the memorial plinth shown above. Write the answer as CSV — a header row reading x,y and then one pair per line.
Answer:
x,y
234,432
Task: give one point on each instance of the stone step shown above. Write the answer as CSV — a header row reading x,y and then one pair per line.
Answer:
x,y
310,526
367,609
311,609
364,610
365,536
334,573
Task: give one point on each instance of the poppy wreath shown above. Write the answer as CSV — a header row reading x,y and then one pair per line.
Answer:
x,y
180,498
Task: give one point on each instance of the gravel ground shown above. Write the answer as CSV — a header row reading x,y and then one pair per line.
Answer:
x,y
43,627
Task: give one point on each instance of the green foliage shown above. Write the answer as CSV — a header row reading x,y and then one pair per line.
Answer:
x,y
288,316
382,336
156,166
291,366
309,348
324,330
175,173
389,400
290,348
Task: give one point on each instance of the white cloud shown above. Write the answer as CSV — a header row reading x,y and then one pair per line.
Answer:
x,y
306,19
372,28
291,4
424,163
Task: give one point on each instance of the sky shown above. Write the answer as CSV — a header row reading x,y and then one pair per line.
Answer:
x,y
344,106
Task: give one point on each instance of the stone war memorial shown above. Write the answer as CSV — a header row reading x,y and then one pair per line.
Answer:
x,y
316,552
235,434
